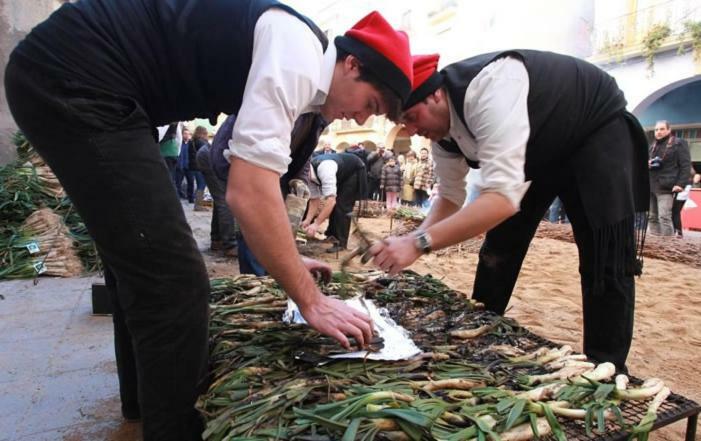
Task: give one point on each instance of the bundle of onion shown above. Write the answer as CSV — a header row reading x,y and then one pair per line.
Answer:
x,y
41,246
46,179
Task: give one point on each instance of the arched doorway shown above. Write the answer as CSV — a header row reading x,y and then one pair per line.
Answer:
x,y
340,148
369,145
677,104
399,140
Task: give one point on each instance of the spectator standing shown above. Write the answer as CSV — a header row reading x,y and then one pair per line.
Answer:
x,y
325,148
223,225
359,151
199,140
669,165
679,201
391,183
183,168
424,179
169,147
376,161
408,176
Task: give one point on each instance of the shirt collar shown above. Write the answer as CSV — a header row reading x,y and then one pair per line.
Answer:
x,y
328,65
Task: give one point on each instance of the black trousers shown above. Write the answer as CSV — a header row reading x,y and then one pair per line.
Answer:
x,y
347,193
101,147
374,191
677,206
223,225
607,316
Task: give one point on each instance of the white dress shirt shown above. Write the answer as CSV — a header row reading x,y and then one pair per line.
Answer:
x,y
324,180
289,75
496,111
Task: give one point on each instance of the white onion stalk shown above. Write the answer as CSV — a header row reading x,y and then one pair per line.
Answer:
x,y
622,382
603,371
523,432
566,360
471,333
563,409
563,374
541,393
649,388
452,383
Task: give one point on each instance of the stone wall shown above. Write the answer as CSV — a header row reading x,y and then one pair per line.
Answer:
x,y
17,18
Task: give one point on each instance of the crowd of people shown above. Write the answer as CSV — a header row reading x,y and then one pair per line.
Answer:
x,y
395,178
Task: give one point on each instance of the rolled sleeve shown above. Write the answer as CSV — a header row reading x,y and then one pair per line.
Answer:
x,y
499,119
326,172
451,169
282,81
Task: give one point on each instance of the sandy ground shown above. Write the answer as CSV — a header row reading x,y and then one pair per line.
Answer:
x,y
547,300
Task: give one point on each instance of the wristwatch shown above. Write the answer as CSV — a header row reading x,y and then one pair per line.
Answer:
x,y
422,242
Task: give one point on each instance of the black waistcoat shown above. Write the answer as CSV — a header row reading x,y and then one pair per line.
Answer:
x,y
180,59
568,99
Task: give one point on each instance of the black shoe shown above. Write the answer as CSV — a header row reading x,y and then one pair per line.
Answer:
x,y
131,415
335,248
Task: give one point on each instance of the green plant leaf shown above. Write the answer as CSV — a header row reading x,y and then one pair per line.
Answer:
x,y
515,413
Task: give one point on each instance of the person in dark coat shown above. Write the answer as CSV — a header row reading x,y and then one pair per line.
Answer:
x,y
199,141
375,162
87,87
530,121
223,225
670,167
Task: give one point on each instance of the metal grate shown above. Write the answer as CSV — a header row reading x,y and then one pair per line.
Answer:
x,y
674,408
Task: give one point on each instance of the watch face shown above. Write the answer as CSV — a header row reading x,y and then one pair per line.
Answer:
x,y
422,243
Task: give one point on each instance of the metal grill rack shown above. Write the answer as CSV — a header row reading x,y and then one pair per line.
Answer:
x,y
417,312
675,408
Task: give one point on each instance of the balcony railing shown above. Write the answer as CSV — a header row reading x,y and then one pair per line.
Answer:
x,y
625,36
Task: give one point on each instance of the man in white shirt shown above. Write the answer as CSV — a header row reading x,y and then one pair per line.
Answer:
x,y
537,125
98,76
304,79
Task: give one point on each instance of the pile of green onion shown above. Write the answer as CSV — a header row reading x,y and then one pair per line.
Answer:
x,y
480,377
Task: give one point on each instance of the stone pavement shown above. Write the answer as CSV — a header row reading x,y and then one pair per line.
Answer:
x,y
58,377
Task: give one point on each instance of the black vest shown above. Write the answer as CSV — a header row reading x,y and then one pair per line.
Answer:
x,y
568,99
348,164
180,59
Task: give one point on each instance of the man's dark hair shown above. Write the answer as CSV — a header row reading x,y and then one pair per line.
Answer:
x,y
391,100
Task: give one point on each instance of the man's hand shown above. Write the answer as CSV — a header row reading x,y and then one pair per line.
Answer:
x,y
676,189
393,254
320,270
334,318
311,229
